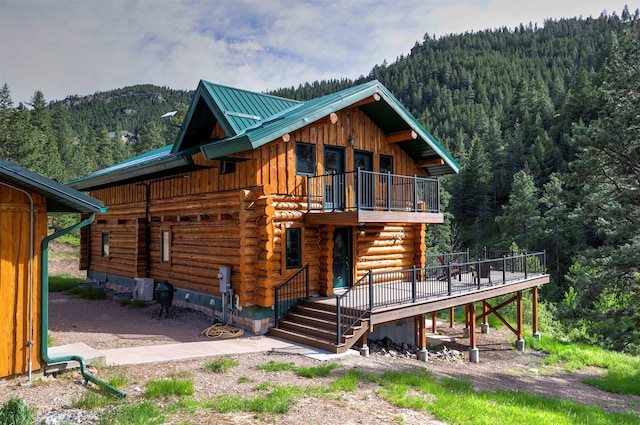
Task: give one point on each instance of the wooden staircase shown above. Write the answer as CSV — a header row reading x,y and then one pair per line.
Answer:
x,y
313,323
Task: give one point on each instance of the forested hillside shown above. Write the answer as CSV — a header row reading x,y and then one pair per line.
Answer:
x,y
543,121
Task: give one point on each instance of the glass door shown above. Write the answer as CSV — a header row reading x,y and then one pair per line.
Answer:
x,y
365,183
341,257
334,185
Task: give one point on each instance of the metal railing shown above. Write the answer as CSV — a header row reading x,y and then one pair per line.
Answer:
x,y
291,293
354,304
368,190
381,290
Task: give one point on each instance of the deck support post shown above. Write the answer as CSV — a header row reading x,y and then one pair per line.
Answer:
x,y
485,324
421,338
452,317
520,325
474,355
534,312
434,322
364,348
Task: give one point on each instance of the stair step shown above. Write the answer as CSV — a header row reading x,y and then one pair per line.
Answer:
x,y
326,334
318,322
307,340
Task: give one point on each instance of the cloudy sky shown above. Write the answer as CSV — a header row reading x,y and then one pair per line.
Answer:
x,y
64,47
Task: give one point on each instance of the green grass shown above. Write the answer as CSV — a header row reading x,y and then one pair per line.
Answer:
x,y
168,387
146,413
304,371
220,364
622,374
16,412
63,282
453,400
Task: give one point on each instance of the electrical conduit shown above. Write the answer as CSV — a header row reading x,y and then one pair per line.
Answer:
x,y
45,312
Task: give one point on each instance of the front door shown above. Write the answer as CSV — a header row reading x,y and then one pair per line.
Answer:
x,y
341,257
334,186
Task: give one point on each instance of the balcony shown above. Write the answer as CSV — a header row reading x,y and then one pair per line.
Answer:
x,y
360,196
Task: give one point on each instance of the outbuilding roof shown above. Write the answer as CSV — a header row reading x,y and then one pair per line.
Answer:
x,y
60,198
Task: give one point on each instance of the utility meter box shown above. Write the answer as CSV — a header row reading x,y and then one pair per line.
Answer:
x,y
225,278
143,288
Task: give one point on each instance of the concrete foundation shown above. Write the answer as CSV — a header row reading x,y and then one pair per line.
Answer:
x,y
484,328
364,351
465,332
474,355
520,345
423,355
537,336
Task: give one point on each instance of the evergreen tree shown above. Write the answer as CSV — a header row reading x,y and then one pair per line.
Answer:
x,y
520,217
608,171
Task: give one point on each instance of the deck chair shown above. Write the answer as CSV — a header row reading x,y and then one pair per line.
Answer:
x,y
455,269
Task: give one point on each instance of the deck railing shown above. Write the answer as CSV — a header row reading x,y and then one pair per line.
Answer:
x,y
368,190
380,290
291,293
353,305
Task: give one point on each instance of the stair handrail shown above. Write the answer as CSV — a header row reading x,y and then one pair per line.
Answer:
x,y
357,309
285,294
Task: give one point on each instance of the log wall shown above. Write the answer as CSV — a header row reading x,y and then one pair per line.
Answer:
x,y
240,219
15,280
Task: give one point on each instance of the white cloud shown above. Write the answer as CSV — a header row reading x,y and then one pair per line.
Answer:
x,y
81,46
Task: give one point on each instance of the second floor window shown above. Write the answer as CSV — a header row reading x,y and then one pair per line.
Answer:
x,y
305,159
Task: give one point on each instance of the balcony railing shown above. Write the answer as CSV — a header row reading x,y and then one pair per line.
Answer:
x,y
368,190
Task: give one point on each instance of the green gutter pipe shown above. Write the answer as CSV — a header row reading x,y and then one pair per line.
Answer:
x,y
45,312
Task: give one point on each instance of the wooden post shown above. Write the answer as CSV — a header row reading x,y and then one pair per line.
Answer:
x,y
434,322
471,308
452,317
519,314
421,332
534,312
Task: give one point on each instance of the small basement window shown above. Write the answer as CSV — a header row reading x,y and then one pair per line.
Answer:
x,y
294,248
105,244
305,159
165,242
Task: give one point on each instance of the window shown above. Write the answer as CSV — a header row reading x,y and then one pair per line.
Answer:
x,y
386,164
294,248
305,159
165,245
227,167
105,244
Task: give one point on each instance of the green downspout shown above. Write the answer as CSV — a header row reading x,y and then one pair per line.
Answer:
x,y
45,312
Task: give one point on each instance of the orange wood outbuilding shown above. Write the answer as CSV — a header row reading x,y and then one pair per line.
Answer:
x,y
26,199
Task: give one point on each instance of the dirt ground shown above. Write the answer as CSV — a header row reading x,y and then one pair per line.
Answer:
x,y
107,324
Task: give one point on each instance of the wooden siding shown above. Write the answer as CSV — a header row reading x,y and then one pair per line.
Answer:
x,y
14,280
240,219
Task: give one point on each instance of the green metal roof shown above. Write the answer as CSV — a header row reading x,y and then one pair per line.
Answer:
x,y
388,113
60,198
253,119
153,164
236,110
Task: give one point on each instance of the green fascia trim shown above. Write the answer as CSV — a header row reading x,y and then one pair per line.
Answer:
x,y
155,161
315,109
60,198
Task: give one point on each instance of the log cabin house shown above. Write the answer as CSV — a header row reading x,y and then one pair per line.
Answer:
x,y
263,201
26,199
